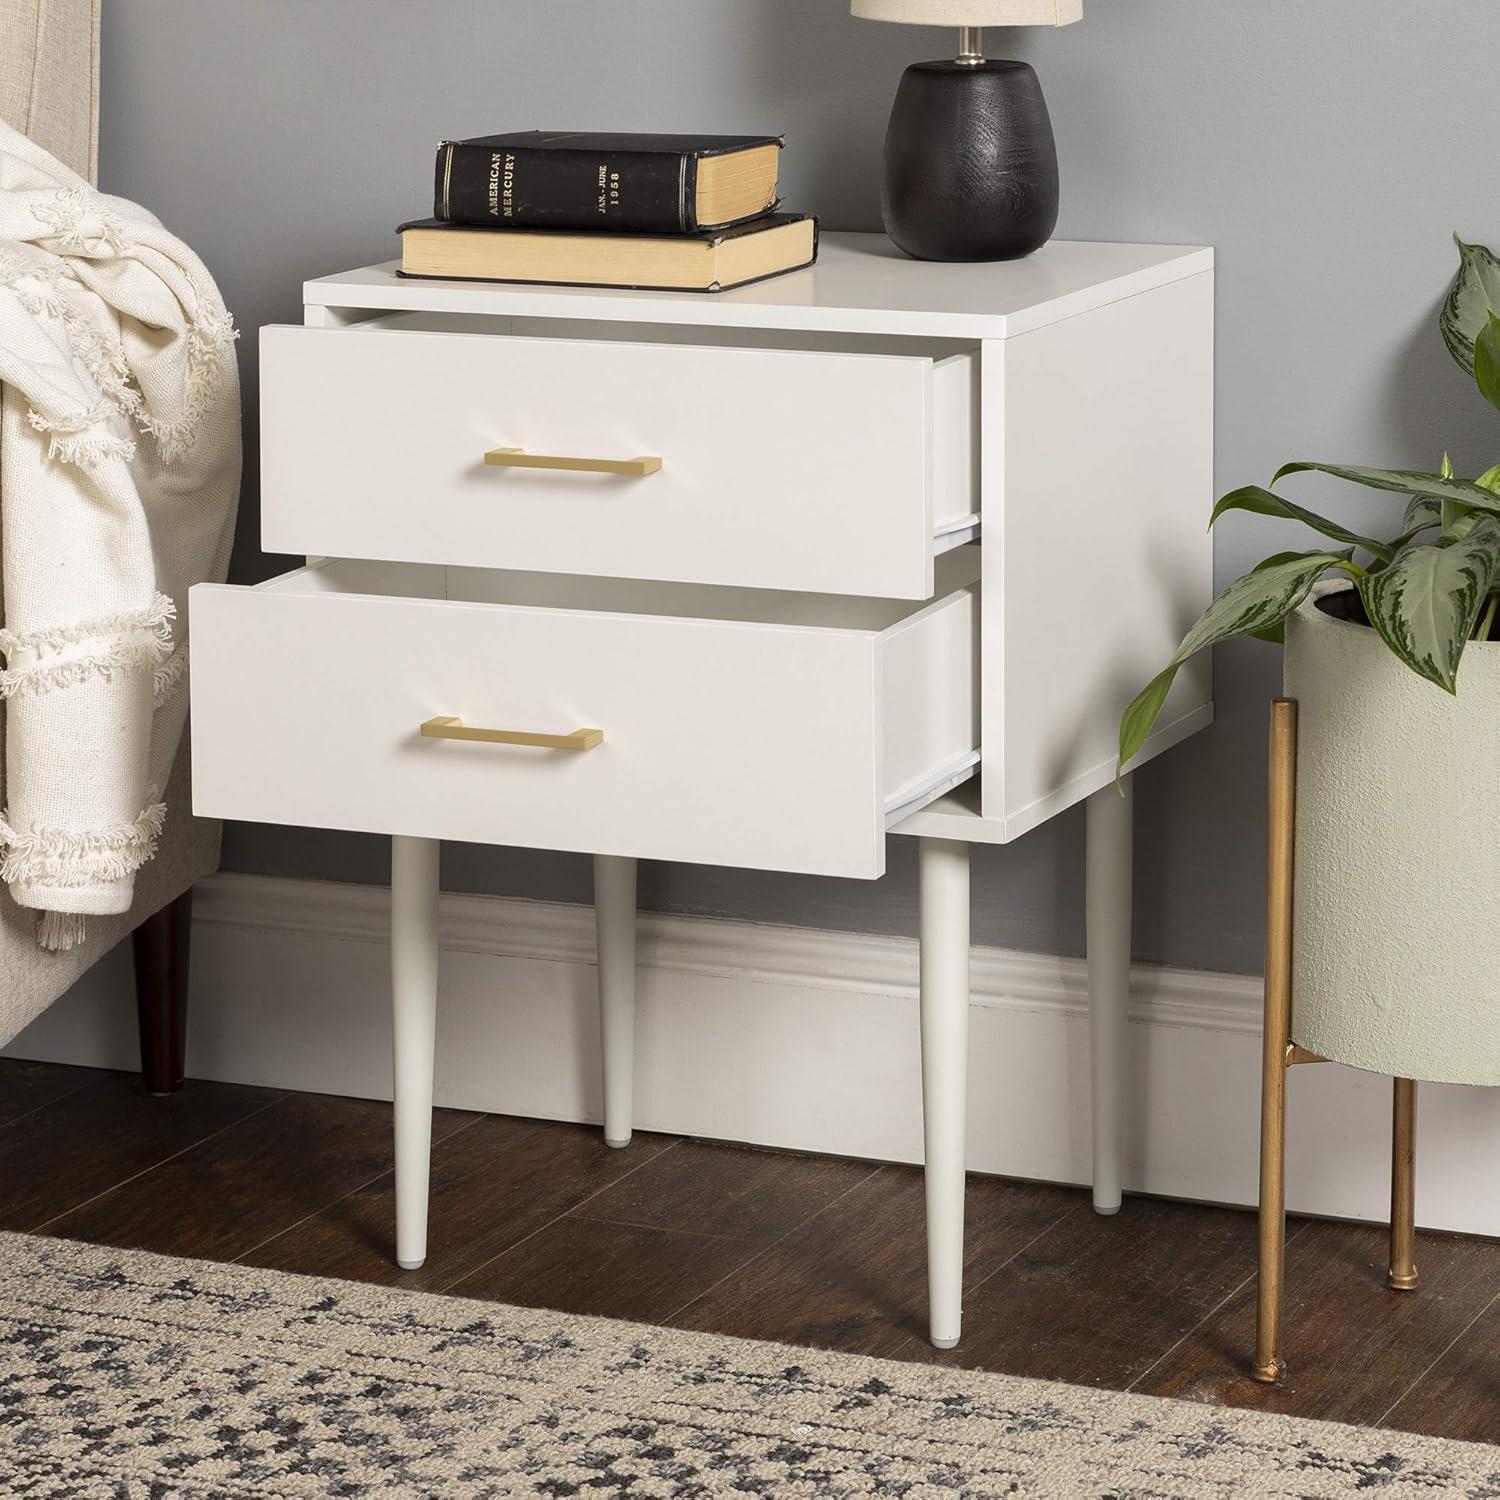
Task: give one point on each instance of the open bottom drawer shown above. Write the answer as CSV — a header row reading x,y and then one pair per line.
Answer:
x,y
742,727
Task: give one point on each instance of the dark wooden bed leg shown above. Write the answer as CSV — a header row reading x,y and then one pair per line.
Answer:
x,y
161,945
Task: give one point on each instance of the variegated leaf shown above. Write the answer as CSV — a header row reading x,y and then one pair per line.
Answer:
x,y
1274,635
1402,481
1425,604
1487,361
1262,502
1475,293
1251,605
1421,512
1261,598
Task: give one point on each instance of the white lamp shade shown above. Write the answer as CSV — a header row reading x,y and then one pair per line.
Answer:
x,y
970,12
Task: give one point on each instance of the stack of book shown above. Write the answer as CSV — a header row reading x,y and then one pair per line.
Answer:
x,y
672,212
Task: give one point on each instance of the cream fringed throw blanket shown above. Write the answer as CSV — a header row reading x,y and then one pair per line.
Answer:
x,y
119,477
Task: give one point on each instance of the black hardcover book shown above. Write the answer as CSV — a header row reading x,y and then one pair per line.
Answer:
x,y
646,184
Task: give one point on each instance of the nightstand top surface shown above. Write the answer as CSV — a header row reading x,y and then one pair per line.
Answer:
x,y
860,284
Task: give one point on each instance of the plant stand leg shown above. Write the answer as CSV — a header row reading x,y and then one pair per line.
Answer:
x,y
1107,918
1403,1272
161,948
1269,1365
614,917
414,968
943,896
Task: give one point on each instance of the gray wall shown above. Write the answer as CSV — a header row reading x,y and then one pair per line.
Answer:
x,y
1326,149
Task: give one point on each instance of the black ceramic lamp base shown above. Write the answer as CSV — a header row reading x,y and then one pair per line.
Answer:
x,y
970,163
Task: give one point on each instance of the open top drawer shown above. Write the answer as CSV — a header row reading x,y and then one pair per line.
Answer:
x,y
773,730
764,464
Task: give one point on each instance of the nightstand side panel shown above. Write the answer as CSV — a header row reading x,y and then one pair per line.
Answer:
x,y
1096,482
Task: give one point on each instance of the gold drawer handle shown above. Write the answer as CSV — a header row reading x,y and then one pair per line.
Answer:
x,y
449,728
519,458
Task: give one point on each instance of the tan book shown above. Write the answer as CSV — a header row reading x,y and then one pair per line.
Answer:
x,y
711,261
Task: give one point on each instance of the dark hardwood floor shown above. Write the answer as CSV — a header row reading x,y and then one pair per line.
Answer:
x,y
801,1249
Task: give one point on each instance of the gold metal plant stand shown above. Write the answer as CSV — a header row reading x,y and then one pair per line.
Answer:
x,y
1281,1052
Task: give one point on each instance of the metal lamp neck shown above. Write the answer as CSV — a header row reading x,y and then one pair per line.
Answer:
x,y
970,46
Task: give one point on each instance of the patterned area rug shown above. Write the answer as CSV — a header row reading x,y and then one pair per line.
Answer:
x,y
124,1374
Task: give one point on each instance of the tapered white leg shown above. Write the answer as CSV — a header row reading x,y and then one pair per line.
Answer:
x,y
414,964
943,888
1107,917
614,915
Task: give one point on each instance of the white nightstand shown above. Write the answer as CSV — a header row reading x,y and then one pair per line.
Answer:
x,y
747,579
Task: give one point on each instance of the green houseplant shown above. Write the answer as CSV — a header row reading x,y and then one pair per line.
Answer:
x,y
1395,808
1428,590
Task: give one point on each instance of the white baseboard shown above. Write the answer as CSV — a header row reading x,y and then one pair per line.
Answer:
x,y
781,1036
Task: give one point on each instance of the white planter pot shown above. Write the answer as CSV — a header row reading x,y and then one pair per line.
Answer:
x,y
1396,937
